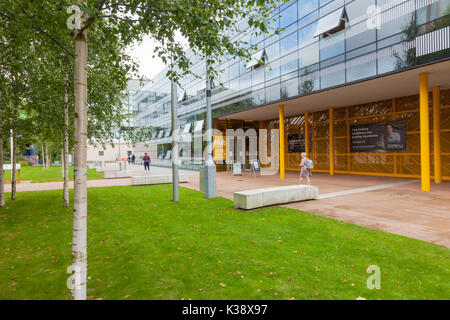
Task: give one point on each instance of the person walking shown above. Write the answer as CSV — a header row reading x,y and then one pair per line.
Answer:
x,y
305,168
133,159
129,159
147,161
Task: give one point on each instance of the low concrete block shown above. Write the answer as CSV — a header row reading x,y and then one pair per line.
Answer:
x,y
156,179
124,174
251,199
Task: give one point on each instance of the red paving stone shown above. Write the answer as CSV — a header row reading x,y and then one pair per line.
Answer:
x,y
404,210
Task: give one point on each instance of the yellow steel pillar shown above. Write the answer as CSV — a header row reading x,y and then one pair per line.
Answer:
x,y
331,122
424,132
437,134
307,133
281,121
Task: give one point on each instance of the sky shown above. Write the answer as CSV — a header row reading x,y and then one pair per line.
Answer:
x,y
148,66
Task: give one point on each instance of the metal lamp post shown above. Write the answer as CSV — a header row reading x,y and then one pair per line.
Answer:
x,y
173,103
209,167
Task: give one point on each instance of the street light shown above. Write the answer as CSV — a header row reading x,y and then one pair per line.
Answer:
x,y
209,167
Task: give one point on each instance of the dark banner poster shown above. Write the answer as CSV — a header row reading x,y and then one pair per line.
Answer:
x,y
296,143
378,137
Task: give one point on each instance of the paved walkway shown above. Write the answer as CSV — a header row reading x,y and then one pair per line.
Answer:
x,y
389,204
28,186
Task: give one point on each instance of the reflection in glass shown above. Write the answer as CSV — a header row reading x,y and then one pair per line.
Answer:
x,y
273,51
361,67
306,35
433,11
358,36
288,16
288,63
306,6
272,70
273,93
245,81
308,82
394,26
257,76
309,55
289,88
332,76
357,10
288,43
234,70
332,46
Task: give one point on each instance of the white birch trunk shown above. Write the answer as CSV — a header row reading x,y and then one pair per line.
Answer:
x,y
66,151
47,158
62,160
2,177
13,171
43,157
79,252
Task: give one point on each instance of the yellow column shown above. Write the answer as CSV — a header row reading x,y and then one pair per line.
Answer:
x,y
437,134
281,120
424,133
307,133
331,122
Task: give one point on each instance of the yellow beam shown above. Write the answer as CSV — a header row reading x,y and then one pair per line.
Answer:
x,y
424,132
331,121
281,125
307,134
437,134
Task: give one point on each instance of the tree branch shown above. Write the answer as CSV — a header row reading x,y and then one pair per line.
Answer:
x,y
39,30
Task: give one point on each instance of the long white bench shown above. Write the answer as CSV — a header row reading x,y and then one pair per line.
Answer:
x,y
124,174
156,179
251,199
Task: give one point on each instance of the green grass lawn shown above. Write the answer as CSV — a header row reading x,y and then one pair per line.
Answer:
x,y
53,173
143,246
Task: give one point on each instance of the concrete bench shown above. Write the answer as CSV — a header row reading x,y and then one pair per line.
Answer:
x,y
250,199
124,174
105,169
156,179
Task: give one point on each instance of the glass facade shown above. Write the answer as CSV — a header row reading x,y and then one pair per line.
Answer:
x,y
373,38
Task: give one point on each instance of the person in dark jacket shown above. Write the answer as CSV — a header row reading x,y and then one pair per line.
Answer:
x,y
147,161
133,159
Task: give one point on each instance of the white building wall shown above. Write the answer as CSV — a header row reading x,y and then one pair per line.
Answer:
x,y
110,153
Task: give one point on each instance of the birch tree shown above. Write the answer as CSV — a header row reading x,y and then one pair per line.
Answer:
x,y
209,24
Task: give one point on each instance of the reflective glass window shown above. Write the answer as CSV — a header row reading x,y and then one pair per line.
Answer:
x,y
289,63
361,67
234,70
308,82
273,93
288,15
306,35
245,81
272,70
309,55
332,76
403,24
289,88
288,43
257,76
358,36
307,6
273,51
332,46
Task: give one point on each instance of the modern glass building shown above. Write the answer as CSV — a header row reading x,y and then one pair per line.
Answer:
x,y
336,69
